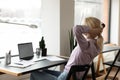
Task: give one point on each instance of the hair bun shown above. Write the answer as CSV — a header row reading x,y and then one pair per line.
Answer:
x,y
103,25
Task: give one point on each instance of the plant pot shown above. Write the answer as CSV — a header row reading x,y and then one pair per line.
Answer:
x,y
44,52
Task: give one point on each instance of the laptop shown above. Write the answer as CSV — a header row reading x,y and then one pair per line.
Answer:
x,y
25,51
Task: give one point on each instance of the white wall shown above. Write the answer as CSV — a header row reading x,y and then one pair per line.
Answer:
x,y
115,16
119,24
57,19
51,25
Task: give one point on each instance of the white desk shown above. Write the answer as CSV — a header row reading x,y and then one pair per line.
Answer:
x,y
43,64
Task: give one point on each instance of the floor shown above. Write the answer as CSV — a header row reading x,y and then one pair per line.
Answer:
x,y
111,75
9,77
26,77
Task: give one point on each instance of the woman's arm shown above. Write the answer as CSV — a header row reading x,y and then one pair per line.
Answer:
x,y
78,32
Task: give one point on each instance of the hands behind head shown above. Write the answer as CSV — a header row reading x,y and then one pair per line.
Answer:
x,y
96,31
103,25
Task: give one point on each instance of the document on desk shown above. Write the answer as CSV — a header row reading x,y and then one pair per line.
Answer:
x,y
38,59
54,58
21,64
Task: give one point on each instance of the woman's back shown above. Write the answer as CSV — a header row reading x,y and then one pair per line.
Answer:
x,y
84,52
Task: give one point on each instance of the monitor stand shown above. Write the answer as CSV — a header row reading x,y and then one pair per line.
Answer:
x,y
27,58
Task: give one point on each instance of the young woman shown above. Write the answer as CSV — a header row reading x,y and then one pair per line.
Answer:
x,y
89,44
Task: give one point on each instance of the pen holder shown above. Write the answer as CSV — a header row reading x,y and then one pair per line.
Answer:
x,y
8,58
38,52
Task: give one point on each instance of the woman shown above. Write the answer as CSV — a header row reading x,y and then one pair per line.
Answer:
x,y
89,44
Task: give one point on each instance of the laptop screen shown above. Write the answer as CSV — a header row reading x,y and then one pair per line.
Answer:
x,y
25,50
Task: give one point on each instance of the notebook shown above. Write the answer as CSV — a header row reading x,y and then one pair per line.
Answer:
x,y
25,51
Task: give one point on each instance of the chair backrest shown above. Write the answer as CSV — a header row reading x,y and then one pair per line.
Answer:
x,y
78,68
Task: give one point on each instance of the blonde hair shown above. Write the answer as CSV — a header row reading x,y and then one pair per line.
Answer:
x,y
93,22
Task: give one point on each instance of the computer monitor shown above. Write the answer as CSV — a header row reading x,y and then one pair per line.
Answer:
x,y
25,51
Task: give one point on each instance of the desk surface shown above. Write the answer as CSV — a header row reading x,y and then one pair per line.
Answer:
x,y
43,64
113,63
110,48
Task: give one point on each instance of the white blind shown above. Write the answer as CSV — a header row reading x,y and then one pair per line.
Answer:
x,y
86,8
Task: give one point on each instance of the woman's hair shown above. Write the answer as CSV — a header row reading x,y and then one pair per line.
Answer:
x,y
93,22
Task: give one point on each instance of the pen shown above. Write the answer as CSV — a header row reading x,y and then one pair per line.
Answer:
x,y
18,63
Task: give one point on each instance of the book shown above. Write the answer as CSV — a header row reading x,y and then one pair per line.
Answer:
x,y
21,64
54,58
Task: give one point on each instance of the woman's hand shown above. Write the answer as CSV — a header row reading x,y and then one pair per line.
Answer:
x,y
96,31
103,25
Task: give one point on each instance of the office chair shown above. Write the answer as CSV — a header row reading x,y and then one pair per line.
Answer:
x,y
78,68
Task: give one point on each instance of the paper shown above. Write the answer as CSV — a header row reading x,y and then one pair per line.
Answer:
x,y
24,63
38,59
21,64
54,58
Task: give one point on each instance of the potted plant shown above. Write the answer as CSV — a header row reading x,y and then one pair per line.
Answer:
x,y
73,42
42,47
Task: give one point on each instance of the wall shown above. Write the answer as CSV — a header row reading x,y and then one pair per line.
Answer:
x,y
66,23
57,19
119,24
106,18
51,25
115,16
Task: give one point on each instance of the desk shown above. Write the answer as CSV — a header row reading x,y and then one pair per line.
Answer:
x,y
40,65
47,64
112,63
108,49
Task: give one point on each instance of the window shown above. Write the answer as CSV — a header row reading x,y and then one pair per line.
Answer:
x,y
96,8
19,22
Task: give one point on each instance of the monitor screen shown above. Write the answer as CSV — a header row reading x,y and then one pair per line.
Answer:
x,y
25,50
